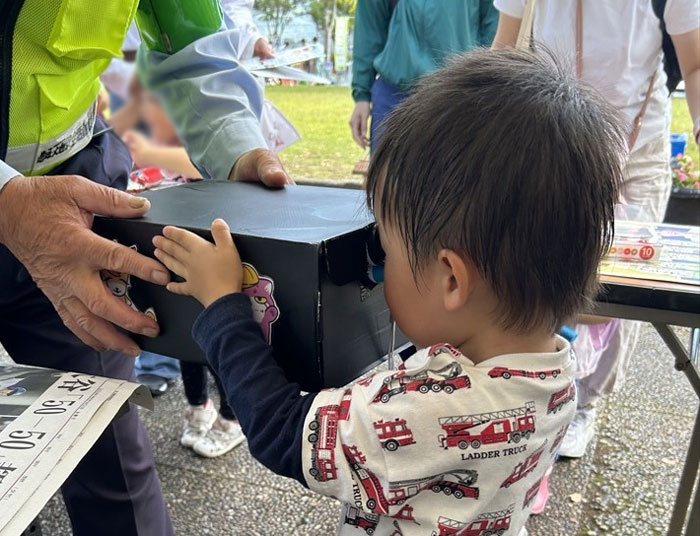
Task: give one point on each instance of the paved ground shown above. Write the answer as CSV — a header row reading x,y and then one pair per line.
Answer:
x,y
624,486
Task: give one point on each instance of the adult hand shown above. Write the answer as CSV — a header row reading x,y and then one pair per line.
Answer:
x,y
358,123
260,165
45,222
263,49
139,147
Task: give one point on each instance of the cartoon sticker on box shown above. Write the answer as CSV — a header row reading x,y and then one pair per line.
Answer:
x,y
259,289
119,284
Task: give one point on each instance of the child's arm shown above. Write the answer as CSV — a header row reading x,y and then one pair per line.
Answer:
x,y
271,410
281,425
146,154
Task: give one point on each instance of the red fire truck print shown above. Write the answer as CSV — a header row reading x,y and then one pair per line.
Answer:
x,y
353,454
394,434
323,437
364,382
558,438
507,373
488,524
357,518
558,399
406,514
525,467
531,493
462,486
442,347
446,379
399,492
504,426
376,501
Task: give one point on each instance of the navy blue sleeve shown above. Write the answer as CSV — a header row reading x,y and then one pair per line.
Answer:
x,y
271,409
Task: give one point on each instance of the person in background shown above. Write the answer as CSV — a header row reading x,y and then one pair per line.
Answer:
x,y
621,55
208,432
251,42
117,77
164,149
398,41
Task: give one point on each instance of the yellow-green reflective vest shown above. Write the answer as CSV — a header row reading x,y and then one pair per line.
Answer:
x,y
59,49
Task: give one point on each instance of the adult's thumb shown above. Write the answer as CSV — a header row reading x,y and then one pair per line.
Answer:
x,y
261,165
106,201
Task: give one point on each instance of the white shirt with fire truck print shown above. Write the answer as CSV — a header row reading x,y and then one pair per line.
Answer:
x,y
442,446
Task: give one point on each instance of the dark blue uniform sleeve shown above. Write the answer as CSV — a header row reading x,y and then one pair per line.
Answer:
x,y
271,409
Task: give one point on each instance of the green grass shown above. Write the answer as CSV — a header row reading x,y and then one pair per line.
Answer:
x,y
681,122
327,150
320,114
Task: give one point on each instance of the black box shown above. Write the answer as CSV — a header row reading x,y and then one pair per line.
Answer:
x,y
307,244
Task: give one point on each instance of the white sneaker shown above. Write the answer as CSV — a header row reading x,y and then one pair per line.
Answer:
x,y
579,434
221,438
198,421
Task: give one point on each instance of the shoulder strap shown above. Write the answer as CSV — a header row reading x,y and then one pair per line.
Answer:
x,y
671,65
525,32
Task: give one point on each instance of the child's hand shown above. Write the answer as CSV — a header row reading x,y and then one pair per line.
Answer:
x,y
263,49
139,147
211,271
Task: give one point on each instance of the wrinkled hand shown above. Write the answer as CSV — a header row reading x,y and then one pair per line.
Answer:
x,y
263,49
45,222
211,271
358,123
260,165
140,148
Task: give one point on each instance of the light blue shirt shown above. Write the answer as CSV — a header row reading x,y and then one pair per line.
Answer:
x,y
213,101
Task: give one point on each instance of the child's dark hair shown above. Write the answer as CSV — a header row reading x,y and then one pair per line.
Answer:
x,y
503,157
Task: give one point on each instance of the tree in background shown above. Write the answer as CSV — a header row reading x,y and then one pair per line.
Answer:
x,y
324,13
276,14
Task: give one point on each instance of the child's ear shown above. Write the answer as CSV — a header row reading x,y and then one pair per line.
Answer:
x,y
455,279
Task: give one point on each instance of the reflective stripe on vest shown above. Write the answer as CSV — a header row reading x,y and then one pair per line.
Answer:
x,y
59,50
41,156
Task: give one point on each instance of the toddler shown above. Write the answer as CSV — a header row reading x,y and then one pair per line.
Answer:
x,y
493,189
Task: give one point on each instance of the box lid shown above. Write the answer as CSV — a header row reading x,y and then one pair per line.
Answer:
x,y
306,214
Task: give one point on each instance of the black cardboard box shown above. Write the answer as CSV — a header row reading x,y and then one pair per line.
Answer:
x,y
304,249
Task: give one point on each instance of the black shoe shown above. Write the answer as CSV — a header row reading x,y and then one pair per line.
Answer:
x,y
155,384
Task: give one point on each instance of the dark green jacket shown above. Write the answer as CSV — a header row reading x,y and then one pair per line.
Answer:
x,y
415,39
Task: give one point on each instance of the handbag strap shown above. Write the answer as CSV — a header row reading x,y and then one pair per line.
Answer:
x,y
525,32
639,118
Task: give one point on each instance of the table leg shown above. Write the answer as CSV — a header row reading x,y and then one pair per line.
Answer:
x,y
687,483
683,362
694,519
692,461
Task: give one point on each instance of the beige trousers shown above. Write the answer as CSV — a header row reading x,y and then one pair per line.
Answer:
x,y
646,189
